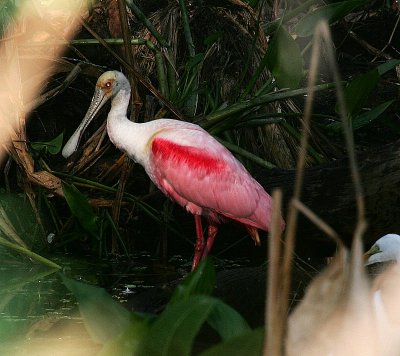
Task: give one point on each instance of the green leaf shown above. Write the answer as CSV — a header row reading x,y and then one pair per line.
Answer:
x,y
211,39
227,321
194,61
199,281
366,118
388,65
8,13
52,147
81,209
359,89
330,13
173,333
104,317
249,344
363,119
190,84
126,343
284,60
253,3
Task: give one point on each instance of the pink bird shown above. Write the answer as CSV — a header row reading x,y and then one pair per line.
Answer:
x,y
185,162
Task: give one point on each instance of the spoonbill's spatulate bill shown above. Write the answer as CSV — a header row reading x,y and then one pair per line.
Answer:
x,y
185,162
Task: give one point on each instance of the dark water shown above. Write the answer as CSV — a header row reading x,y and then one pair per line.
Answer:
x,y
40,316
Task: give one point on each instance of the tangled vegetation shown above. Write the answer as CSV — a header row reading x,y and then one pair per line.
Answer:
x,y
236,68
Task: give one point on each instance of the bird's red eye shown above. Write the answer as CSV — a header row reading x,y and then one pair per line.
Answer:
x,y
108,85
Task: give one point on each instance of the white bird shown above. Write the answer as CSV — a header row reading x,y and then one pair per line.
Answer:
x,y
386,249
185,162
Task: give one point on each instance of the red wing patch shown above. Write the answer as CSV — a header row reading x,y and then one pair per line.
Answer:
x,y
192,157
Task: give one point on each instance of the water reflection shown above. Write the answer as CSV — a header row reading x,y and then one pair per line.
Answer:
x,y
38,315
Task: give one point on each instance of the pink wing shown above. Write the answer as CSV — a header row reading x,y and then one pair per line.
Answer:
x,y
200,174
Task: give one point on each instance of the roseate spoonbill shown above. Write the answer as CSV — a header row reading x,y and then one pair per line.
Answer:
x,y
185,162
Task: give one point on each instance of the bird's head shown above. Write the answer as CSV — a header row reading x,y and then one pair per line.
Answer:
x,y
386,249
110,83
108,86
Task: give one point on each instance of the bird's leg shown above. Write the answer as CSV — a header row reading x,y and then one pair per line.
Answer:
x,y
211,233
199,248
